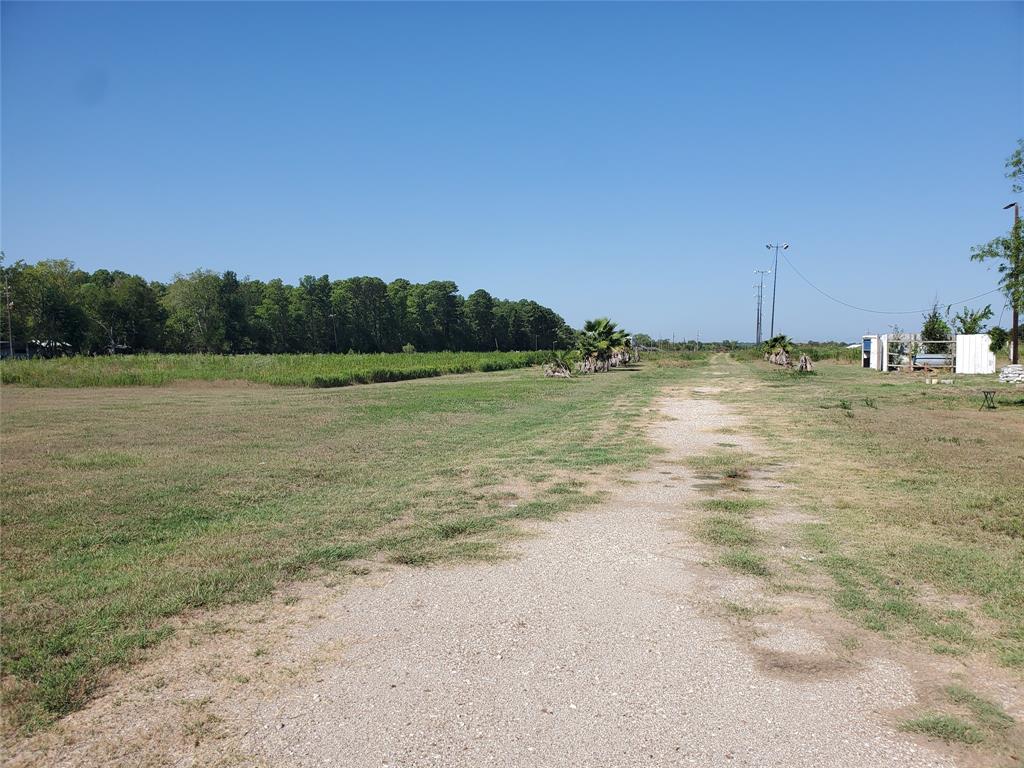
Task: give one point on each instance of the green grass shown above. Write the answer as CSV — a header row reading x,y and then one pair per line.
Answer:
x,y
945,727
734,506
986,713
729,464
280,370
918,492
124,508
726,531
743,560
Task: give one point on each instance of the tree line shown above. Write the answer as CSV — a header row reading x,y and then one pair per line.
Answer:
x,y
54,306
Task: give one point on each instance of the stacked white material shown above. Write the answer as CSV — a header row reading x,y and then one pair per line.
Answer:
x,y
1012,374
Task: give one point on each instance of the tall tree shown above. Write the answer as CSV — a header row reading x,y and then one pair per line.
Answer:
x,y
195,317
479,310
273,317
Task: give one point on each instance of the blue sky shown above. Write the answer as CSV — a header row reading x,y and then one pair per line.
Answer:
x,y
629,160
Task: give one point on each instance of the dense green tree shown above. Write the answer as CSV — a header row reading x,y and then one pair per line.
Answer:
x,y
362,310
204,311
273,318
479,309
311,310
195,316
935,328
123,311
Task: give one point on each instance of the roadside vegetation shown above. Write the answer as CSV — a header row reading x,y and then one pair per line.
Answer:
x,y
126,508
278,370
917,494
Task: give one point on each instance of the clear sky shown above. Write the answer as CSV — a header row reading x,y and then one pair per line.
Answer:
x,y
629,160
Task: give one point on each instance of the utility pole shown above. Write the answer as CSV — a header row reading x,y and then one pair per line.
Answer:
x,y
8,305
334,322
757,317
1014,328
775,280
760,300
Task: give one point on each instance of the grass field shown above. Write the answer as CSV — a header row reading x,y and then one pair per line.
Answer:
x,y
126,507
280,370
919,494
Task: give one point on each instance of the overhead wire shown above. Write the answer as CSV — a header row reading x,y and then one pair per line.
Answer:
x,y
878,311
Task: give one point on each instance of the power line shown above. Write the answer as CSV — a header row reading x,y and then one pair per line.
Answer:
x,y
880,311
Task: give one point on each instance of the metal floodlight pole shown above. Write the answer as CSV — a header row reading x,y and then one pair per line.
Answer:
x,y
1015,323
775,280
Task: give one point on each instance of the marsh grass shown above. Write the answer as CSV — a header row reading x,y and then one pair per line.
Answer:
x,y
305,370
126,507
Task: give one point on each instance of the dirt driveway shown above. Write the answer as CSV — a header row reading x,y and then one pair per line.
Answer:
x,y
598,645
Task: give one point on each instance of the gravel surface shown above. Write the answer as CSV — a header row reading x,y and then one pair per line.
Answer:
x,y
588,650
593,647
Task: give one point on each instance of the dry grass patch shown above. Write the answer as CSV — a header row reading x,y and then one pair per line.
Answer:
x,y
124,508
920,497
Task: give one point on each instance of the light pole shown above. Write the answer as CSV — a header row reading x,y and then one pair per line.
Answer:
x,y
1014,332
775,280
760,294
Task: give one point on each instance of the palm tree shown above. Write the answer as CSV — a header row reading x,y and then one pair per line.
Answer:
x,y
778,349
560,363
602,344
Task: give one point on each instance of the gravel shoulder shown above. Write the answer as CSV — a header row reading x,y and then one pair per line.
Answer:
x,y
593,646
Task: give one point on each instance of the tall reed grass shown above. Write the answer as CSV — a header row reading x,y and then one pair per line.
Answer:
x,y
303,370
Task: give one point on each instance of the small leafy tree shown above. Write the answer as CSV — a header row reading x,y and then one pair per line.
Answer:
x,y
935,327
969,320
997,339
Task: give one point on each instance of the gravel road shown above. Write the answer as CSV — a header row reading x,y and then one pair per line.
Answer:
x,y
594,646
588,650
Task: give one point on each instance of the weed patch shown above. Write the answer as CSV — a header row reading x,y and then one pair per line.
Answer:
x,y
945,727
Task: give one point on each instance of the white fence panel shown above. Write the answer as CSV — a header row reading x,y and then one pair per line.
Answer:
x,y
973,354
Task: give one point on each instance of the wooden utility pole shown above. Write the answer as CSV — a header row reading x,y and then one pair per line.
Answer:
x,y
1014,330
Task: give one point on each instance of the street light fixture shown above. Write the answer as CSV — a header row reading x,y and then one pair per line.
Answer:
x,y
775,280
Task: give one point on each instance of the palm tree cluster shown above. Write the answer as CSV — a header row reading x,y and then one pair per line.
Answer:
x,y
778,350
600,346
